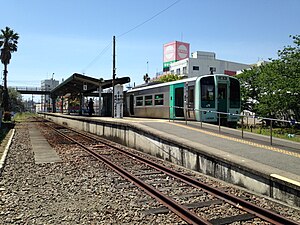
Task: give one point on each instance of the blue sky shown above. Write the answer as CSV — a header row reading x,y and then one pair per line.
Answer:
x,y
68,36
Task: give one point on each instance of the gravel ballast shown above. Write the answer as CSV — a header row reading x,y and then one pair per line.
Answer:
x,y
79,190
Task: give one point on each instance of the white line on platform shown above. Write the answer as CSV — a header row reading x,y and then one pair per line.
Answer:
x,y
285,179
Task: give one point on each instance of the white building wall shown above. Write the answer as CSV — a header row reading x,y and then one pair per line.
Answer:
x,y
200,64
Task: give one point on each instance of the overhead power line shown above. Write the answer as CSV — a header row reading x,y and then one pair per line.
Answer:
x,y
123,34
97,57
151,18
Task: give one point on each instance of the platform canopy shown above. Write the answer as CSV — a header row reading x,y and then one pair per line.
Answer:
x,y
81,84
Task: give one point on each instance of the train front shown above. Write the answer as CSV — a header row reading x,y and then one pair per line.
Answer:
x,y
217,99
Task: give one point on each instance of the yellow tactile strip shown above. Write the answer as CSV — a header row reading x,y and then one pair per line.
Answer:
x,y
270,148
242,141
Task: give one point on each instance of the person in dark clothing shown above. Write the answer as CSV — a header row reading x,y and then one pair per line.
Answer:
x,y
91,107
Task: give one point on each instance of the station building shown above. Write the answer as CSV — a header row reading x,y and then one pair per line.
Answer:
x,y
177,61
46,101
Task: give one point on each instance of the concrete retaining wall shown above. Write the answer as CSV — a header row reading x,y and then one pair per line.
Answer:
x,y
189,155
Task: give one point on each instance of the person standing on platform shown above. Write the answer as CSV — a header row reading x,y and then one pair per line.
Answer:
x,y
91,107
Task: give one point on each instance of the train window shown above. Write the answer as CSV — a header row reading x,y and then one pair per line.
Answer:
x,y
139,101
207,92
191,97
159,99
234,95
148,100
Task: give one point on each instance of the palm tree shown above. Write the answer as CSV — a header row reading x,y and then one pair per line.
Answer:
x,y
8,45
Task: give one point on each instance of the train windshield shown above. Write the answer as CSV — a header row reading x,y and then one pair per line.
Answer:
x,y
235,95
207,92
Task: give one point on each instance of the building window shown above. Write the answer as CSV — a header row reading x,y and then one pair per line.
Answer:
x,y
196,68
212,70
148,100
178,71
159,99
184,70
139,101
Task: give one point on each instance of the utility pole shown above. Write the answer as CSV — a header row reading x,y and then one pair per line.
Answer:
x,y
114,77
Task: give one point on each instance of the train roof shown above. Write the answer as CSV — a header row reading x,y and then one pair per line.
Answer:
x,y
155,85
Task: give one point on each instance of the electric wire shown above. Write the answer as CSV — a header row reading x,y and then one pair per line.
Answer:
x,y
123,34
146,21
97,57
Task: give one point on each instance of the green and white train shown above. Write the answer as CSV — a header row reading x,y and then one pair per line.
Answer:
x,y
197,98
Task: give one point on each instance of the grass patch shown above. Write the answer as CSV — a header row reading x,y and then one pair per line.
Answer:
x,y
21,117
290,134
8,125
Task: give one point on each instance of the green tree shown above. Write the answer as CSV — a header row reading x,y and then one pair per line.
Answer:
x,y
289,57
273,89
269,85
8,45
249,88
16,102
169,77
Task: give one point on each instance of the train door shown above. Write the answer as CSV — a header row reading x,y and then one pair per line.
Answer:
x,y
222,98
189,101
176,100
131,105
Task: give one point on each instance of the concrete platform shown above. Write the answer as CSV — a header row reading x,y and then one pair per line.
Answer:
x,y
250,162
43,152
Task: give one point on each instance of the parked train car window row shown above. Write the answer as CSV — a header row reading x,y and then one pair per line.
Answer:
x,y
148,100
139,101
159,99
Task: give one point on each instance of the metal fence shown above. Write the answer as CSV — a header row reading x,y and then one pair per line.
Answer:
x,y
241,119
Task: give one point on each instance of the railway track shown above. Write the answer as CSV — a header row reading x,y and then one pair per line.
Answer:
x,y
189,198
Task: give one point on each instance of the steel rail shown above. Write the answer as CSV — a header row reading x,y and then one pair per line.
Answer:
x,y
180,210
242,204
262,213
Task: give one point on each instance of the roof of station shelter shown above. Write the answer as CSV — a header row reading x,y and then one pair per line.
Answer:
x,y
75,85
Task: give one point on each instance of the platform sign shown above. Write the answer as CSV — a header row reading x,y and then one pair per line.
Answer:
x,y
167,64
175,51
118,101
